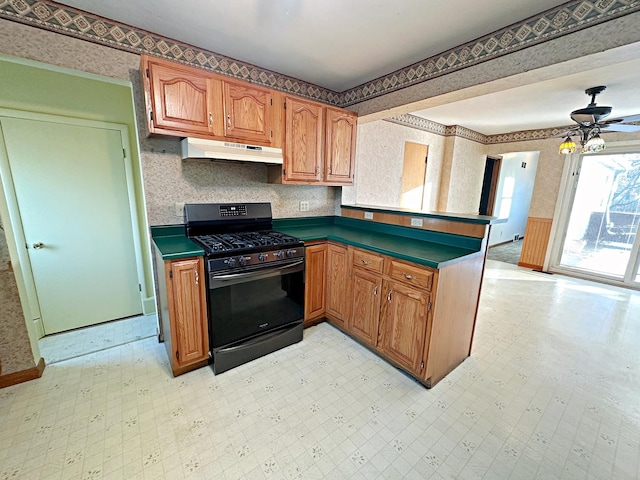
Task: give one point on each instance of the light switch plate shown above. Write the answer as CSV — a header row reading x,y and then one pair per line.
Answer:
x,y
368,215
304,206
179,209
416,222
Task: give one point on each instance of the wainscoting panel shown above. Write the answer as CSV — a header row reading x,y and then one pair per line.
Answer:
x,y
536,238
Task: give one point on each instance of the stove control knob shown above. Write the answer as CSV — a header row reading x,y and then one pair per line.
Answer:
x,y
262,257
231,262
290,253
242,260
279,255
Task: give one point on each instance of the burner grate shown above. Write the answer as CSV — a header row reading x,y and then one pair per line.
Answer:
x,y
234,242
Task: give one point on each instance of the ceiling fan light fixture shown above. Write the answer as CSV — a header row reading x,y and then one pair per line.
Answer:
x,y
567,147
594,145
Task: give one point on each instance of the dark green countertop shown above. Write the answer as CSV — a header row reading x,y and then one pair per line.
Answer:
x,y
424,247
172,242
458,217
432,249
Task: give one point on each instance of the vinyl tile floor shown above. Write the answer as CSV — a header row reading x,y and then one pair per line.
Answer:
x,y
62,346
551,391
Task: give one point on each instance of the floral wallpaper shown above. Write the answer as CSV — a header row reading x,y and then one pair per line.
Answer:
x,y
379,158
15,348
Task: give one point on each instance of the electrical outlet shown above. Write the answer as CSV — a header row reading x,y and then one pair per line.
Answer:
x,y
368,215
416,222
304,206
179,209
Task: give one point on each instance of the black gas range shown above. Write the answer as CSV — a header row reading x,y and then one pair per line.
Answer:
x,y
255,280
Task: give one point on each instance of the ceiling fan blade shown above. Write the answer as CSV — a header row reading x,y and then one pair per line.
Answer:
x,y
627,119
621,127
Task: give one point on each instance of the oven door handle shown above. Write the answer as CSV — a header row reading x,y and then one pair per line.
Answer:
x,y
256,274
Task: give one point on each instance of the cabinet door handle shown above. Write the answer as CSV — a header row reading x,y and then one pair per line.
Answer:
x,y
365,262
389,296
407,276
228,120
375,291
210,119
197,277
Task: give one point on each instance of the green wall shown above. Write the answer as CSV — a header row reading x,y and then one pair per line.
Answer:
x,y
36,87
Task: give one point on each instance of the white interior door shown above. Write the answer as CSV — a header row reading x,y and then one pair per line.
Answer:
x,y
72,195
414,169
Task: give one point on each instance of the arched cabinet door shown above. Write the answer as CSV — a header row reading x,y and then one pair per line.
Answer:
x,y
304,141
340,146
180,100
247,113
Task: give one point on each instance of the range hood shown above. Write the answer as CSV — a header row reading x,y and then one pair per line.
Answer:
x,y
221,150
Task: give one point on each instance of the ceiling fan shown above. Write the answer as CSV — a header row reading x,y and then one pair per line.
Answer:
x,y
591,121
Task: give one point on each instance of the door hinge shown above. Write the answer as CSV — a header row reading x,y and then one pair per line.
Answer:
x,y
147,73
425,159
284,172
271,133
151,115
140,287
124,153
285,105
429,307
170,273
177,355
271,101
422,365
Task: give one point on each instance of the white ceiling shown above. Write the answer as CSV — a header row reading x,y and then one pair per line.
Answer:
x,y
544,104
343,44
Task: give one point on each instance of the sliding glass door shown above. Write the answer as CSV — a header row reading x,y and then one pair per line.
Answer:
x,y
601,235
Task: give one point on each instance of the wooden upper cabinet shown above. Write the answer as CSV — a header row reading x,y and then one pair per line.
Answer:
x,y
340,146
179,99
403,324
319,140
247,112
304,127
320,144
337,284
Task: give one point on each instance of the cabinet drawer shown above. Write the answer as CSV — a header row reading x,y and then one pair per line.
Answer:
x,y
410,274
369,261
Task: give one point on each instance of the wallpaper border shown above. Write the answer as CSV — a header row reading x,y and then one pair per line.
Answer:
x,y
430,126
562,20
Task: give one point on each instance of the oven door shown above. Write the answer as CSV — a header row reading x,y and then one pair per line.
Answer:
x,y
255,301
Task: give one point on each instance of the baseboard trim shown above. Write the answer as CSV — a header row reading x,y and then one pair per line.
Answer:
x,y
505,242
313,322
149,305
530,265
23,375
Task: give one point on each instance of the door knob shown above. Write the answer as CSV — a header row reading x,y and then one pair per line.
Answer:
x,y
38,245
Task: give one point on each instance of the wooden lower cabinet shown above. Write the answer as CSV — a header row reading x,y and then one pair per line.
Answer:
x,y
183,312
403,324
337,284
315,275
366,290
419,318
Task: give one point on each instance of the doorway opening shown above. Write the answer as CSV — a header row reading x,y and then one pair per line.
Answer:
x,y
509,199
489,186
